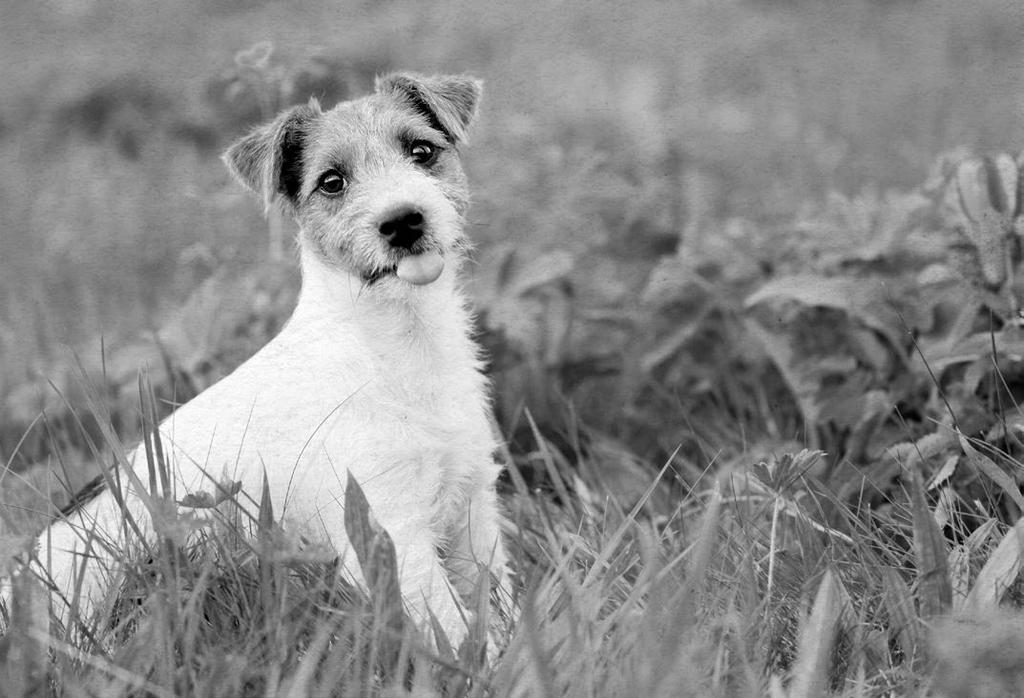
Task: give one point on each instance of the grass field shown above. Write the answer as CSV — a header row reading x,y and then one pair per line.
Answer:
x,y
749,291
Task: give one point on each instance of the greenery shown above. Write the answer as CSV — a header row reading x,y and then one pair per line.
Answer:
x,y
749,276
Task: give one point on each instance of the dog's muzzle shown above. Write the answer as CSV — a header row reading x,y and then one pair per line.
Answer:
x,y
404,229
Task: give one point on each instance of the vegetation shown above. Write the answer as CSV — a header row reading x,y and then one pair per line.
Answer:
x,y
749,277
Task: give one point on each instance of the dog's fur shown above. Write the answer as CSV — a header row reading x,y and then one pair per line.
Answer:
x,y
373,376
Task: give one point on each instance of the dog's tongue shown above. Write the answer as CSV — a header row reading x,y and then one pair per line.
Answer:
x,y
420,269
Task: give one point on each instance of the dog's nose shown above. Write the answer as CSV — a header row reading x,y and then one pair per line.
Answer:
x,y
403,228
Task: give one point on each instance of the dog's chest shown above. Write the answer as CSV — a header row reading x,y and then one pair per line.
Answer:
x,y
406,418
413,416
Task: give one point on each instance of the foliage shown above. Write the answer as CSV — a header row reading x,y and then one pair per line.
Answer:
x,y
907,324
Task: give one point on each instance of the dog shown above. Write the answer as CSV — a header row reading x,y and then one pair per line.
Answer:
x,y
374,377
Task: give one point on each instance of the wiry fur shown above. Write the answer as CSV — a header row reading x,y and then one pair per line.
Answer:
x,y
371,376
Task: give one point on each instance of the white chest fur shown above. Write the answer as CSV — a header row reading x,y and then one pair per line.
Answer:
x,y
387,391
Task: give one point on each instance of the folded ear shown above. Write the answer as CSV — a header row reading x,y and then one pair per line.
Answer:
x,y
268,160
448,101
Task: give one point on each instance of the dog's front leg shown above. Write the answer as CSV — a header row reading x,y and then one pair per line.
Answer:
x,y
477,546
424,581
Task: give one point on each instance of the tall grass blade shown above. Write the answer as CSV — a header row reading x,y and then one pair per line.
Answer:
x,y
679,620
267,568
934,588
999,572
150,435
111,475
612,543
377,558
543,674
265,518
811,674
302,683
444,645
549,463
899,604
151,429
704,548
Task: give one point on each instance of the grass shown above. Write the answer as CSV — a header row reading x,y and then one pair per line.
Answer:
x,y
755,583
639,172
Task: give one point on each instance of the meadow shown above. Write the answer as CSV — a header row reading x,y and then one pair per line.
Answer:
x,y
746,274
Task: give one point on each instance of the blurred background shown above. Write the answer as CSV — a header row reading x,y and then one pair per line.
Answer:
x,y
638,170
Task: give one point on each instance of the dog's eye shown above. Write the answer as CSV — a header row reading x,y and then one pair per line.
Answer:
x,y
422,152
331,183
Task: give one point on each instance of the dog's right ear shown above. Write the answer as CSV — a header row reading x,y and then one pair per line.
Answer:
x,y
268,161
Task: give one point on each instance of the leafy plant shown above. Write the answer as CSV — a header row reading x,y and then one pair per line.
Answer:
x,y
910,315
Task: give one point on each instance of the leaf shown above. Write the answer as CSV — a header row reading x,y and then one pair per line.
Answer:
x,y
865,228
444,645
980,535
899,604
265,518
669,347
1000,571
269,573
999,476
944,473
1009,344
817,633
959,564
870,300
803,386
524,300
910,454
673,278
780,473
375,551
934,589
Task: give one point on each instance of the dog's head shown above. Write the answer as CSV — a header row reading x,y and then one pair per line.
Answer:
x,y
375,183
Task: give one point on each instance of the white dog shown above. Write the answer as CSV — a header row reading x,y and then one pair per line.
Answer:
x,y
375,375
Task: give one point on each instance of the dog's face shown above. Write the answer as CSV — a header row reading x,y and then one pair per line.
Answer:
x,y
375,183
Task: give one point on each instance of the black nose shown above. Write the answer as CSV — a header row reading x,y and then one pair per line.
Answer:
x,y
403,228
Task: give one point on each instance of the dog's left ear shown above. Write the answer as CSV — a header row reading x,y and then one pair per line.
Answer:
x,y
448,101
268,160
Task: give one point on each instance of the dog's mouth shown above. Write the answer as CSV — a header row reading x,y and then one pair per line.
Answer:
x,y
418,269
